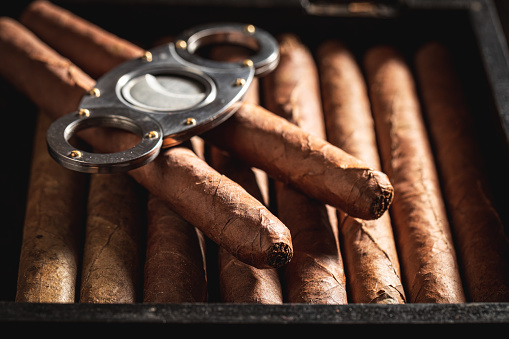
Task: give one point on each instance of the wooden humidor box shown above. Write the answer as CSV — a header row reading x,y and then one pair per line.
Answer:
x,y
472,31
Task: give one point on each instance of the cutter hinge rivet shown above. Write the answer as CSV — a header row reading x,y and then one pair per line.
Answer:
x,y
147,56
250,29
248,63
75,154
84,113
95,92
152,134
191,121
240,82
181,44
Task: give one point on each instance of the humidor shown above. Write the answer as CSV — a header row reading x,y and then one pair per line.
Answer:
x,y
472,30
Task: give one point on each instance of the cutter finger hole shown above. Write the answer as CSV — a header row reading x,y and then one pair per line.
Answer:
x,y
146,142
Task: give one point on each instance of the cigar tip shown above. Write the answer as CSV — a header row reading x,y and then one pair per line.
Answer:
x,y
382,202
279,254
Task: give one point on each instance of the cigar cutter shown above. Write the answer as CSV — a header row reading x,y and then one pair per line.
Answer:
x,y
165,97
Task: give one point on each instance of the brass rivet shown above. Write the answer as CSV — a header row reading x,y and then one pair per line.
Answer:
x,y
75,154
190,121
249,29
248,62
83,112
240,82
152,134
181,44
95,92
147,56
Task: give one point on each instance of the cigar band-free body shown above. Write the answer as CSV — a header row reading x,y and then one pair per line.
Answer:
x,y
165,97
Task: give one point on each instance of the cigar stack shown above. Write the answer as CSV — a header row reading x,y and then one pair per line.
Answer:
x,y
289,200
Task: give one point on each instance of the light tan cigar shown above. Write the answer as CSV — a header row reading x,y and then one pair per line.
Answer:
x,y
111,256
316,273
175,269
50,247
368,246
240,223
483,248
427,255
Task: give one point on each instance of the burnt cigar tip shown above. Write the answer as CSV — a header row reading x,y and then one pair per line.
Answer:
x,y
279,254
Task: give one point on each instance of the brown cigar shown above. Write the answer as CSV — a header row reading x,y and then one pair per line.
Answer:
x,y
111,256
314,166
92,49
348,184
241,283
368,246
227,214
53,226
238,282
483,248
175,258
292,91
427,254
235,53
219,207
315,274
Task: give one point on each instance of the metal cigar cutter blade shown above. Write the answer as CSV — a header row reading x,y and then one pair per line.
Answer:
x,y
165,97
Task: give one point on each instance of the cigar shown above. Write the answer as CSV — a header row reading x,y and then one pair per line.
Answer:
x,y
92,49
56,77
219,207
312,165
368,246
175,270
238,282
482,245
316,273
427,255
50,247
232,53
111,256
292,90
347,182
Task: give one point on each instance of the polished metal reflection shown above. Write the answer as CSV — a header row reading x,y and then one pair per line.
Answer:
x,y
164,92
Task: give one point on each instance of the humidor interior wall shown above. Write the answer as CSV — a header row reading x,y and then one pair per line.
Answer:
x,y
479,52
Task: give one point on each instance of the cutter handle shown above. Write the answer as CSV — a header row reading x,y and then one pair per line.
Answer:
x,y
61,131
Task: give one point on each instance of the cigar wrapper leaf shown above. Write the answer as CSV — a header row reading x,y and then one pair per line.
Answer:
x,y
368,246
315,274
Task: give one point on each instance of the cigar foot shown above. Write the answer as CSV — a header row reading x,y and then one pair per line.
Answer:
x,y
382,202
279,255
